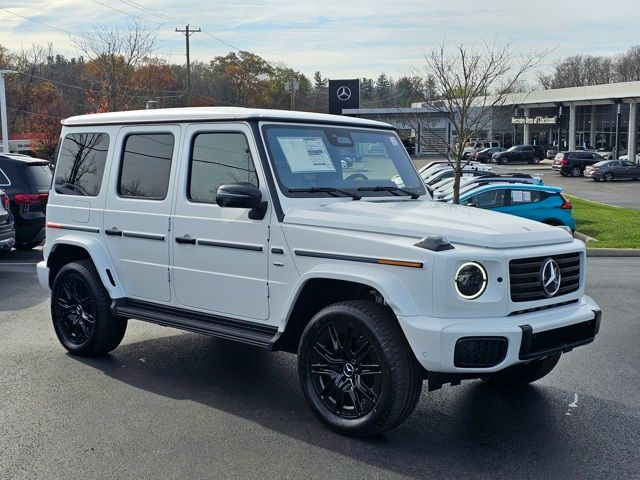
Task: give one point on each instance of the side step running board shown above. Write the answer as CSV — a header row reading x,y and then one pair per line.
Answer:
x,y
238,330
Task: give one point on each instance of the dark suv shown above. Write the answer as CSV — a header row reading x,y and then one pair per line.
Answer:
x,y
574,163
520,153
7,235
26,180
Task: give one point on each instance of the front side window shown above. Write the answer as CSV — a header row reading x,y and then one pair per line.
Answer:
x,y
360,161
80,165
146,165
4,180
217,159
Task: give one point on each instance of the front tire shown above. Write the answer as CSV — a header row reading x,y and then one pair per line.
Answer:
x,y
524,373
80,309
356,369
504,160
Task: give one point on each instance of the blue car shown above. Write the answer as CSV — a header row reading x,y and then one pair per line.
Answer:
x,y
536,202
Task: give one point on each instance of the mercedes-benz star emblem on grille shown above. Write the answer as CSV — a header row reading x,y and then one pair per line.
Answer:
x,y
551,277
344,93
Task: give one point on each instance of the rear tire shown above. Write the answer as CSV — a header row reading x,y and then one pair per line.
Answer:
x,y
524,373
80,309
608,177
357,371
576,172
535,160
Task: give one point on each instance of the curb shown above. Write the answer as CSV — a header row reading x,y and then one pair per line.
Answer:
x,y
583,237
613,252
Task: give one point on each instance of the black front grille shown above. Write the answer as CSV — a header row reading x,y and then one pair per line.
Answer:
x,y
565,338
526,280
479,352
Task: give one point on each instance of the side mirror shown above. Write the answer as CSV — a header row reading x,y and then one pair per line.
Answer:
x,y
242,195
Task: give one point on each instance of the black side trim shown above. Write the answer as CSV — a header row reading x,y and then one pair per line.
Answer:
x,y
237,246
77,228
335,256
277,250
266,168
145,236
217,326
113,282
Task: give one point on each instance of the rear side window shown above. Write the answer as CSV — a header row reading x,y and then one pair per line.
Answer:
x,y
80,165
217,159
518,197
146,166
38,175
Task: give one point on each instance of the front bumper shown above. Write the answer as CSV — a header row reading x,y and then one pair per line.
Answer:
x,y
43,274
433,340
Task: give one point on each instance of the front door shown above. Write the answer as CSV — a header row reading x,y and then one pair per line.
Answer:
x,y
136,217
219,254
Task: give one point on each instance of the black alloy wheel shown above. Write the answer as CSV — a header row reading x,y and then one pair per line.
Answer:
x,y
74,309
356,369
576,171
504,160
608,177
345,370
80,309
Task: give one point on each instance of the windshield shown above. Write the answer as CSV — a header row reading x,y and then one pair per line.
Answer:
x,y
315,160
512,149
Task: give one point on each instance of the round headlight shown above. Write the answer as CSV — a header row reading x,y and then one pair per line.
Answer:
x,y
471,280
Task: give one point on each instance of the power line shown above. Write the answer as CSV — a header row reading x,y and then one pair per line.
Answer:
x,y
38,21
187,34
35,113
130,14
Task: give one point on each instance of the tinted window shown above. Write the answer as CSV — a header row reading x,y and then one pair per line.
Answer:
x,y
80,164
38,175
4,181
146,165
217,159
490,199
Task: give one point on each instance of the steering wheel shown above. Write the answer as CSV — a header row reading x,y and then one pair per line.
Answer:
x,y
357,176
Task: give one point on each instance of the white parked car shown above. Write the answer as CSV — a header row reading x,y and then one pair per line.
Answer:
x,y
242,224
626,157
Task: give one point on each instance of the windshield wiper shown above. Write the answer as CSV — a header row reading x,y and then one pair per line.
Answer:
x,y
392,189
330,190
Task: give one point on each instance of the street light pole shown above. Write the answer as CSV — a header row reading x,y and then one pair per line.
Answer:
x,y
3,112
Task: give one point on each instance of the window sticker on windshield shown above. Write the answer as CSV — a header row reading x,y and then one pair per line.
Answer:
x,y
394,142
306,154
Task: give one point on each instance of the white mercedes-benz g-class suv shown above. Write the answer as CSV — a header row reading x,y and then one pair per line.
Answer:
x,y
246,225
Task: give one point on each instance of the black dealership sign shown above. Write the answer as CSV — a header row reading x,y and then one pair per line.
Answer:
x,y
343,94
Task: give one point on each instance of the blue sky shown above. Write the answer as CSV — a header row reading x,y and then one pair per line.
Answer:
x,y
350,39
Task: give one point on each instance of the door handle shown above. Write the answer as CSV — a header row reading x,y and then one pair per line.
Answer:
x,y
186,239
114,232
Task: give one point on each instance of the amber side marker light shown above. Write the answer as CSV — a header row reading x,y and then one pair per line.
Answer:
x,y
54,225
399,263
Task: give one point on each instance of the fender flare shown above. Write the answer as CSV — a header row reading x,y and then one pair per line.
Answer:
x,y
389,286
98,256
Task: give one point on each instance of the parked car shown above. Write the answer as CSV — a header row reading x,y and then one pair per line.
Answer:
x,y
26,180
607,152
552,152
609,170
445,193
626,157
535,202
7,234
444,173
520,153
485,155
239,223
574,163
475,146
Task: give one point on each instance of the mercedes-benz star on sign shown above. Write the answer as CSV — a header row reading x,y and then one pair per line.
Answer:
x,y
344,93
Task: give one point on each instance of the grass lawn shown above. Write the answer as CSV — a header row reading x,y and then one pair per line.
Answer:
x,y
613,227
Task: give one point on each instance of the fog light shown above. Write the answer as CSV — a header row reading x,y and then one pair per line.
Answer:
x,y
471,280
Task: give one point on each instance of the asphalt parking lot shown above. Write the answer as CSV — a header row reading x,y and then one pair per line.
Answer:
x,y
168,404
622,193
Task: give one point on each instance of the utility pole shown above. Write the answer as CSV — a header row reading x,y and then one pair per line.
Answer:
x,y
293,86
187,33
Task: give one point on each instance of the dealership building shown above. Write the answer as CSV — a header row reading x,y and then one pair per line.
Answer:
x,y
597,116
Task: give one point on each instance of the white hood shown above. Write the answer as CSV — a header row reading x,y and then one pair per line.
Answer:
x,y
459,224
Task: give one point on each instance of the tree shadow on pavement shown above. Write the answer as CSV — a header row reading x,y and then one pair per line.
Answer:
x,y
469,431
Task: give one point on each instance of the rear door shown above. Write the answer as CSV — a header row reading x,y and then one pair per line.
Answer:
x,y
138,208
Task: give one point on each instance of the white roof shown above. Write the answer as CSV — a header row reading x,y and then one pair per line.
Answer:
x,y
200,114
592,94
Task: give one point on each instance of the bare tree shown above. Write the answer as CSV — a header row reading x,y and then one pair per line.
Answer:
x,y
470,84
114,56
